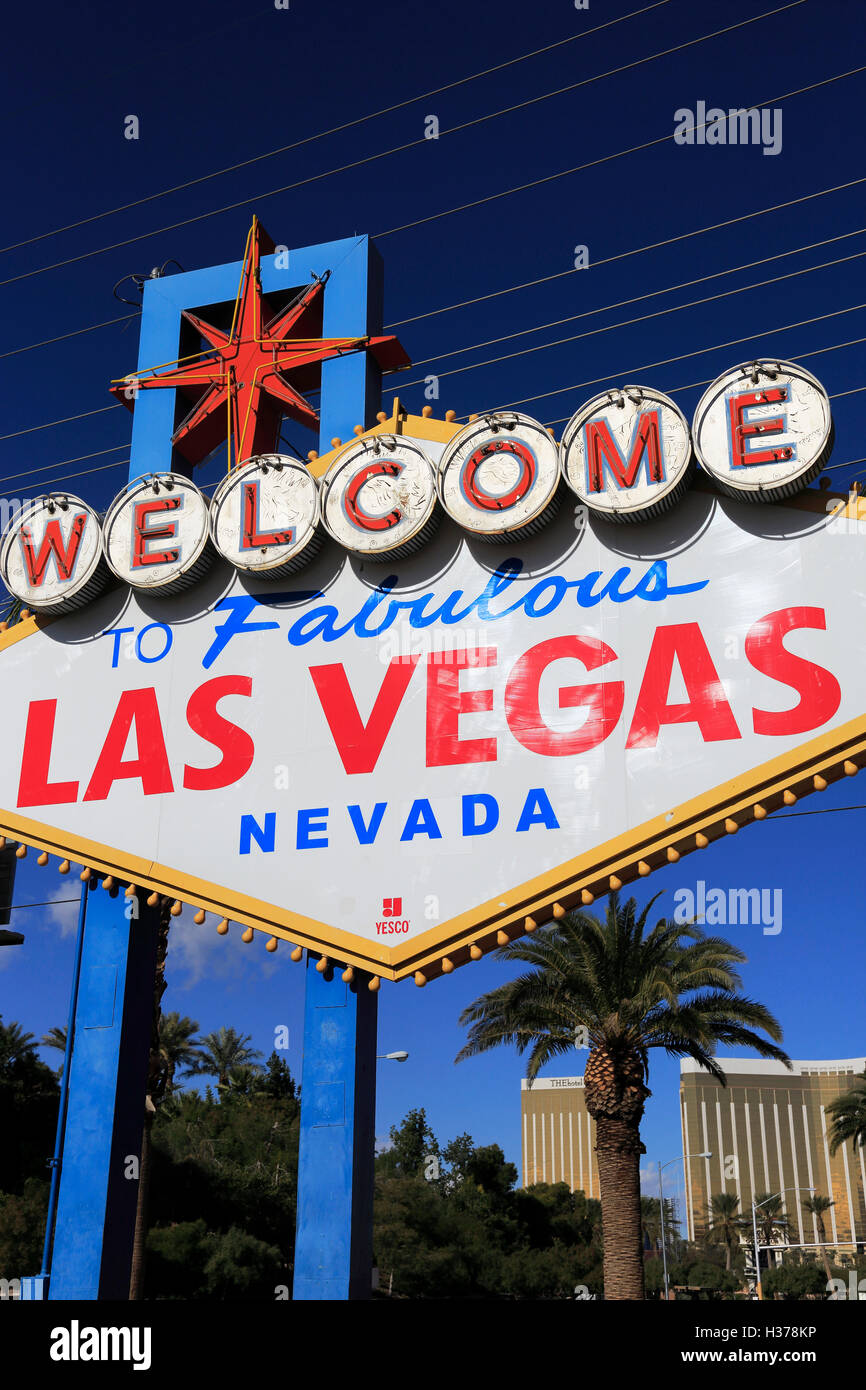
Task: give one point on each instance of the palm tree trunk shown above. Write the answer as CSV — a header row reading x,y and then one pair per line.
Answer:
x,y
822,1236
155,1087
136,1282
618,1150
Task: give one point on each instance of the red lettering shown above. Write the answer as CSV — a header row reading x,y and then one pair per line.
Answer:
x,y
143,533
601,448
446,702
603,701
490,502
742,431
820,695
354,505
235,744
34,788
138,707
707,705
251,537
360,744
53,544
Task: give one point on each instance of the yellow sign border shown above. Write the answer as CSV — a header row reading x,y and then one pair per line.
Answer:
x,y
657,842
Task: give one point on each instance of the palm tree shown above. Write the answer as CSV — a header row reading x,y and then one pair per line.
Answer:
x,y
55,1037
15,1044
177,1048
632,990
848,1116
770,1215
816,1205
726,1223
222,1051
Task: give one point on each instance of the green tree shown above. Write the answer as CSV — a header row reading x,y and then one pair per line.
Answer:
x,y
848,1116
413,1146
794,1281
179,1050
632,990
816,1206
726,1223
221,1052
770,1216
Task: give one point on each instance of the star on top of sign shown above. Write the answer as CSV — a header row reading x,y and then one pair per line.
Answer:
x,y
239,385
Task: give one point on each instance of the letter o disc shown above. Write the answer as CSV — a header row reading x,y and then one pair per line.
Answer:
x,y
379,498
265,516
763,431
157,534
627,454
498,478
52,556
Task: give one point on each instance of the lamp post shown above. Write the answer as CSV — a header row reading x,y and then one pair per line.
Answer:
x,y
755,1206
662,1214
393,1057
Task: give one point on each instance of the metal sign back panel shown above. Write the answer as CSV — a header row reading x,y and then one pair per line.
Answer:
x,y
389,761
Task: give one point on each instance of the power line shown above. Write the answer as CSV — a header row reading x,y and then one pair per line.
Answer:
x,y
558,275
698,352
693,385
651,294
827,811
61,337
337,129
624,323
67,477
603,159
64,420
411,144
621,255
61,463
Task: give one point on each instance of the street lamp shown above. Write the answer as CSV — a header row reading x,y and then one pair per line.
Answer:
x,y
755,1206
10,938
393,1057
662,1213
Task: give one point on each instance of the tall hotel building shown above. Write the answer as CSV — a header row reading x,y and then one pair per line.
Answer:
x,y
767,1133
558,1134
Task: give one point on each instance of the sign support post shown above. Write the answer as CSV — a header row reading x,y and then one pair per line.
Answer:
x,y
97,1204
105,1116
334,1232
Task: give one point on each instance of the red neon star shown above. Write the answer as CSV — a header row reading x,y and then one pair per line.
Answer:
x,y
239,386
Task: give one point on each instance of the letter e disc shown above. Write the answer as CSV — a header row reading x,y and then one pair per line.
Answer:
x,y
52,556
265,516
498,478
627,454
379,498
763,431
157,534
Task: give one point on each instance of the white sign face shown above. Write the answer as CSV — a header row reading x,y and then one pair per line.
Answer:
x,y
157,534
52,556
265,516
379,497
764,430
499,475
627,454
387,766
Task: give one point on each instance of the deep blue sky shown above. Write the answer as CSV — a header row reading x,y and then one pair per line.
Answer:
x,y
213,84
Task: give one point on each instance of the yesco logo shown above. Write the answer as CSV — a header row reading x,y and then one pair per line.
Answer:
x,y
761,432
76,1343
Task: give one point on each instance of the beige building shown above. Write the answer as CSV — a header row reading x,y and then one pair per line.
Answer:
x,y
767,1131
558,1134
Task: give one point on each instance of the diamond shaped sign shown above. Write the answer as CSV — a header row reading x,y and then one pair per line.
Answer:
x,y
398,761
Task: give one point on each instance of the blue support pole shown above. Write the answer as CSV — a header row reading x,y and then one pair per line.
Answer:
x,y
95,1220
334,1238
96,1206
